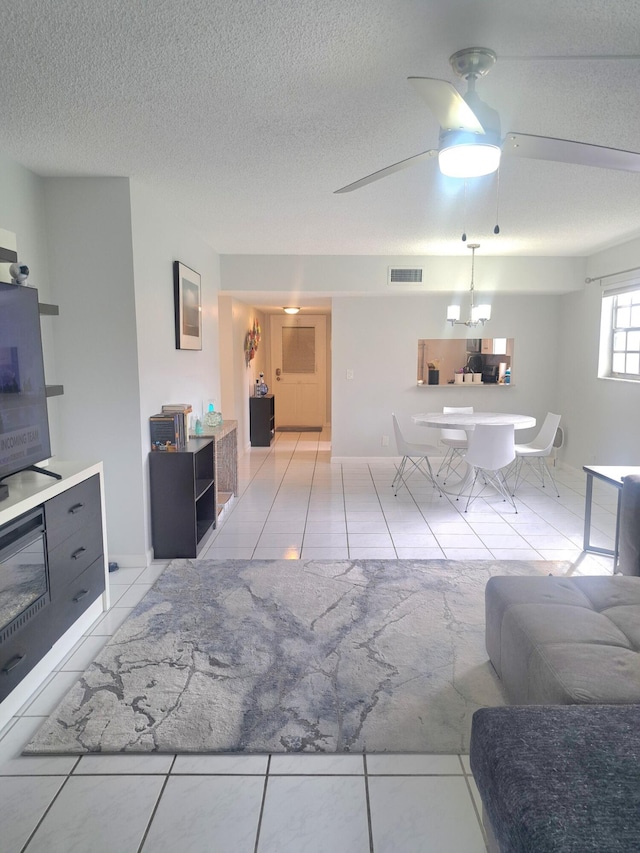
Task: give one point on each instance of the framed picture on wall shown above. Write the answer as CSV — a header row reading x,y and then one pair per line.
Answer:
x,y
186,291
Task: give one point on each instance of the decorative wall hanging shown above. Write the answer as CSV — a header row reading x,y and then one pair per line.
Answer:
x,y
251,342
186,291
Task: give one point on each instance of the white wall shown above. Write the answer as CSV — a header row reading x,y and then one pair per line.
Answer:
x,y
237,377
601,416
165,374
22,212
377,338
91,270
104,249
348,274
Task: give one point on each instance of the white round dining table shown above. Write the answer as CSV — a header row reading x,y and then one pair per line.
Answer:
x,y
468,420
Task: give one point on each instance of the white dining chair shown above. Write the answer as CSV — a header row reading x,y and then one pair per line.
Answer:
x,y
417,455
455,440
491,450
536,452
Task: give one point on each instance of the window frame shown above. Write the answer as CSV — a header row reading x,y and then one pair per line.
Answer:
x,y
611,332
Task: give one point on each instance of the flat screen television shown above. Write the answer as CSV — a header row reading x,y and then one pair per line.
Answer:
x,y
24,422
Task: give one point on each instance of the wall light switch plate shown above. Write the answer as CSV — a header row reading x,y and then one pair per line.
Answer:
x,y
349,374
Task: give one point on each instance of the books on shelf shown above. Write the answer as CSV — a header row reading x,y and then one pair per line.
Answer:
x,y
164,430
183,411
169,428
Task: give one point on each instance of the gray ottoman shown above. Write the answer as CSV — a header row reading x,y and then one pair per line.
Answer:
x,y
563,779
559,641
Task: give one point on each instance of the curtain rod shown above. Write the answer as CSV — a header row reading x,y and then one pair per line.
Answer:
x,y
610,275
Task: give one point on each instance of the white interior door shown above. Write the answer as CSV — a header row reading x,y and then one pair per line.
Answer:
x,y
299,364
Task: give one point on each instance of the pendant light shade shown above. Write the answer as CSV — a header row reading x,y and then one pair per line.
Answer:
x,y
478,314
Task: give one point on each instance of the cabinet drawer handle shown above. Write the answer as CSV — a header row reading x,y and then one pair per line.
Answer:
x,y
78,553
79,595
13,663
76,508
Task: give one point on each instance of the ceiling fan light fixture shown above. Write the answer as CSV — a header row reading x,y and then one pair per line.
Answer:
x,y
469,159
290,310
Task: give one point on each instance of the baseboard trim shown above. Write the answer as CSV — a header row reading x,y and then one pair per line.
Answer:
x,y
132,561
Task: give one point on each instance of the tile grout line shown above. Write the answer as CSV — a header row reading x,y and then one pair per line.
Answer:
x,y
306,517
473,802
367,801
262,803
154,811
48,809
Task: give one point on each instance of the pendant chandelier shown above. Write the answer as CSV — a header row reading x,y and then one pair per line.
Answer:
x,y
478,314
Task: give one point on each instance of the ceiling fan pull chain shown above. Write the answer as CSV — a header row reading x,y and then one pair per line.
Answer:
x,y
464,215
496,230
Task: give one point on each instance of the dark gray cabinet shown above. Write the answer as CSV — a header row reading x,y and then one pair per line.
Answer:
x,y
182,491
262,426
74,562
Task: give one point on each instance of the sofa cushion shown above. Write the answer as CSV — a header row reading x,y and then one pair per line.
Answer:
x,y
564,778
503,592
605,591
565,640
571,673
531,628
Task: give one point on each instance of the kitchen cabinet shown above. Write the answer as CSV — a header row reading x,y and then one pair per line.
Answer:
x,y
494,346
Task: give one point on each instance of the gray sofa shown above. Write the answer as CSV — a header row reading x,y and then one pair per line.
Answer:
x,y
559,640
561,770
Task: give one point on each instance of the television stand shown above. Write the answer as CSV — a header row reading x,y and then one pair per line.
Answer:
x,y
4,489
39,470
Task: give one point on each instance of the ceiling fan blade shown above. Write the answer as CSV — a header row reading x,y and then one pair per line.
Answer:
x,y
568,151
447,104
397,167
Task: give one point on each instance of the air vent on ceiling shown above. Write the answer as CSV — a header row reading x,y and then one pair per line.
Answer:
x,y
405,275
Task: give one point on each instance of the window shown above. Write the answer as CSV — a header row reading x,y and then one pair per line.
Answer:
x,y
625,353
620,334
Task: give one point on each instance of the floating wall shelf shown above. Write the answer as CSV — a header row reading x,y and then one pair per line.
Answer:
x,y
8,256
51,310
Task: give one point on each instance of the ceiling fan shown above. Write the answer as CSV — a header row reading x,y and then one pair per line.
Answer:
x,y
470,142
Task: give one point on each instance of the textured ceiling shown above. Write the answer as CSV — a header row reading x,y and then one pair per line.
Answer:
x,y
248,114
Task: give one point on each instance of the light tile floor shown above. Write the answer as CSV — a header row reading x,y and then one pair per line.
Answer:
x,y
293,503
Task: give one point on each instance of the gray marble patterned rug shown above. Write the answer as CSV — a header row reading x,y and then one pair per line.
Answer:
x,y
289,656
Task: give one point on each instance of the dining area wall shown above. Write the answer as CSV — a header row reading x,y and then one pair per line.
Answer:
x,y
600,416
375,340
